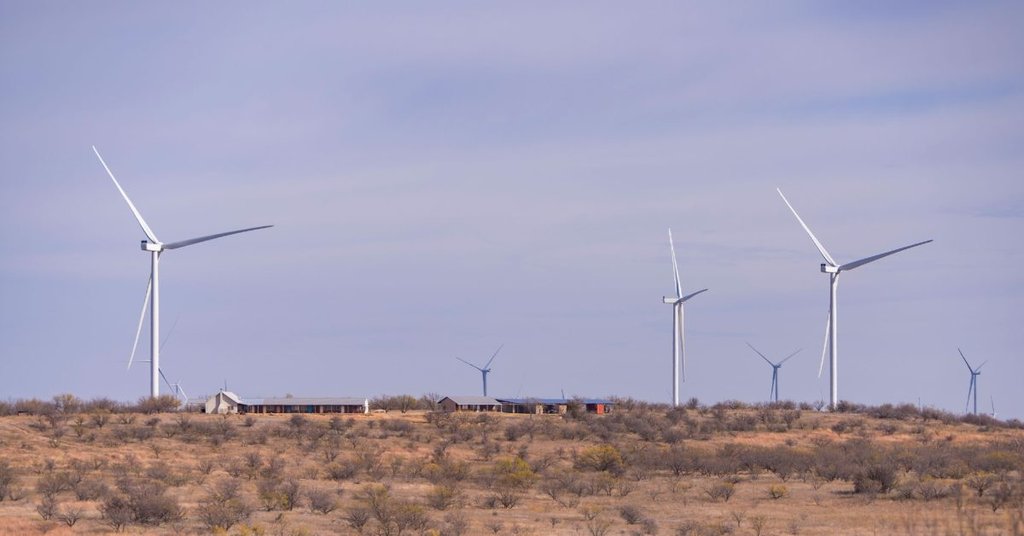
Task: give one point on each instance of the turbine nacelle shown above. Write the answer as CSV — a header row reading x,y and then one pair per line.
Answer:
x,y
829,269
152,246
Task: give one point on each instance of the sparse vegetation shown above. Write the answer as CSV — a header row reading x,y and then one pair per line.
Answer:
x,y
644,469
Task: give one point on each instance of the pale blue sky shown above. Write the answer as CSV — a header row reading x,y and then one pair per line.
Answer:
x,y
446,177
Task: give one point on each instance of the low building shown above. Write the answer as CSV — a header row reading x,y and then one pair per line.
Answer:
x,y
554,406
227,402
222,403
469,403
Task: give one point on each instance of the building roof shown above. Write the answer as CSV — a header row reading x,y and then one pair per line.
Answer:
x,y
555,401
232,396
304,401
470,400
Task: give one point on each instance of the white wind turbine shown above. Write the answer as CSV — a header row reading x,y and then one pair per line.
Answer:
x,y
175,388
484,370
773,396
154,246
678,338
833,269
975,372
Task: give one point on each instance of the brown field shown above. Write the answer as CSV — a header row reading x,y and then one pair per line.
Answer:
x,y
641,470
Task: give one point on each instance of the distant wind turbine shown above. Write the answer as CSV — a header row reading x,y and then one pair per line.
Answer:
x,y
993,401
973,389
774,394
175,388
678,337
833,269
154,246
486,368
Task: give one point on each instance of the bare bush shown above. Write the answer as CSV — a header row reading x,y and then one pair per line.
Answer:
x,y
8,479
322,501
723,491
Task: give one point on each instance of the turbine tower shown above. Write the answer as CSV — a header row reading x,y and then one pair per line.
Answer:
x,y
973,389
678,339
773,396
486,368
833,269
154,246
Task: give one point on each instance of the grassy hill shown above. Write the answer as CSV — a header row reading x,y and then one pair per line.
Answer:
x,y
725,469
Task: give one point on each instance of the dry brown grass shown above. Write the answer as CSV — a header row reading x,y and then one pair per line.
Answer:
x,y
399,449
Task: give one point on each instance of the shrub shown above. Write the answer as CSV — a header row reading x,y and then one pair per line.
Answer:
x,y
91,490
600,458
322,501
777,491
342,470
223,507
980,482
723,490
116,512
8,479
150,505
48,507
160,404
357,517
278,495
443,496
70,516
880,478
631,514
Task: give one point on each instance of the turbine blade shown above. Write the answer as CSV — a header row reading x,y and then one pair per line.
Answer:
x,y
978,370
182,391
760,354
487,366
470,364
190,241
675,265
873,258
824,348
145,228
169,332
962,356
142,318
789,356
688,296
970,388
168,382
817,244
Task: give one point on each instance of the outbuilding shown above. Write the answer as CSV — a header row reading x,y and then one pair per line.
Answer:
x,y
469,403
227,402
555,406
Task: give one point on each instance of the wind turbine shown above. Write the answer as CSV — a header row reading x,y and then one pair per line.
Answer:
x,y
486,368
678,338
975,372
833,269
774,394
175,388
993,401
154,246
